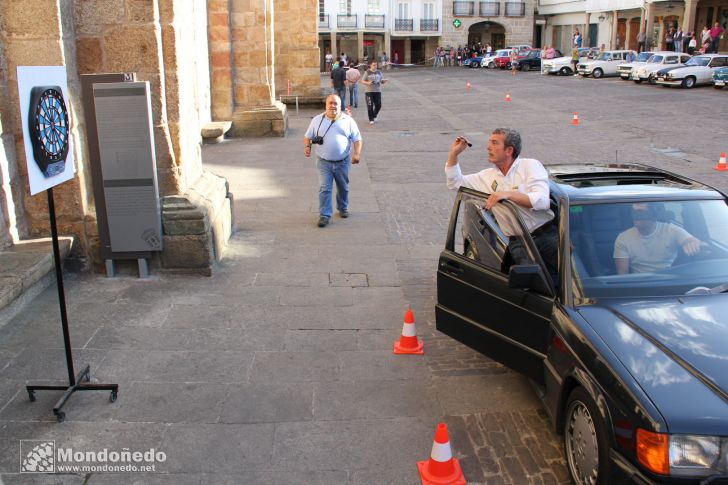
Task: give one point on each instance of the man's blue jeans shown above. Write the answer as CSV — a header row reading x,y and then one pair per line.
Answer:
x,y
342,94
354,95
330,172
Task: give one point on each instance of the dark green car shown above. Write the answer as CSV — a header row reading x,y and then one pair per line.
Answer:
x,y
720,77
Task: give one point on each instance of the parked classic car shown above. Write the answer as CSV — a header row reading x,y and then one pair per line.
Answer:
x,y
720,77
562,65
658,61
698,70
605,64
625,70
476,61
502,59
631,368
531,59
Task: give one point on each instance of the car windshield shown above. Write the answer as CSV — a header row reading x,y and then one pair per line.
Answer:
x,y
698,61
603,56
503,53
643,57
656,59
649,249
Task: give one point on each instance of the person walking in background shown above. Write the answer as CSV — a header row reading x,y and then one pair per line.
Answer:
x,y
575,60
715,34
395,57
686,41
678,40
373,80
338,81
338,146
641,38
384,61
328,61
513,58
577,38
705,36
352,80
693,44
670,40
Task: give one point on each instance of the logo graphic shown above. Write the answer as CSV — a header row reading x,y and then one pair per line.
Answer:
x,y
38,456
457,23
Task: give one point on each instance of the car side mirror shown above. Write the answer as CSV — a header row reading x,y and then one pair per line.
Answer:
x,y
527,276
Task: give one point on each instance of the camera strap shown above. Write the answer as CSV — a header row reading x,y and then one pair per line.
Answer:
x,y
327,129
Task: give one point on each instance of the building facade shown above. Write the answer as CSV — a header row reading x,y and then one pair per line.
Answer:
x,y
617,23
499,23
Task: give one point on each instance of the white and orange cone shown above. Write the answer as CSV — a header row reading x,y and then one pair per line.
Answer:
x,y
467,85
575,119
721,163
508,97
409,343
441,468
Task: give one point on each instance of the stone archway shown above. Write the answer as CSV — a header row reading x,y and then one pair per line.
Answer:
x,y
487,33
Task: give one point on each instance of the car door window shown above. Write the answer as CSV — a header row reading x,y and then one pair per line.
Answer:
x,y
616,56
671,60
481,235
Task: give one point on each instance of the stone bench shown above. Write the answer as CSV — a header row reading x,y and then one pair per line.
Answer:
x,y
214,132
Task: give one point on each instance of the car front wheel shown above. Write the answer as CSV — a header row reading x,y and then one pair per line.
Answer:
x,y
688,82
585,443
491,65
652,80
523,67
638,81
597,73
474,64
717,87
565,71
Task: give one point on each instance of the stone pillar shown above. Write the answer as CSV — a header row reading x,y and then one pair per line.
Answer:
x,y
648,22
257,113
615,24
387,47
360,45
691,7
334,50
221,62
296,48
407,54
585,32
627,34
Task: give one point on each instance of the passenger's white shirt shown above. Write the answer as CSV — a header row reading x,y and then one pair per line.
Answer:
x,y
526,175
653,252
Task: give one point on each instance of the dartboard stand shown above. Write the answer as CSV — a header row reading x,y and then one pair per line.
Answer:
x,y
80,381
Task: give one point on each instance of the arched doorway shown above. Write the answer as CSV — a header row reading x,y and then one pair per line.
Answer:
x,y
487,33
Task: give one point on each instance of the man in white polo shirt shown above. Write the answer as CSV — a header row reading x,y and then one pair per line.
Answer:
x,y
338,145
523,181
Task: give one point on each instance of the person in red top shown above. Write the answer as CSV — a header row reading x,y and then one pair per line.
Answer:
x,y
715,34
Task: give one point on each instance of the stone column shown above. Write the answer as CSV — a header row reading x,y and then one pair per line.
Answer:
x,y
257,113
647,25
297,56
387,47
334,50
627,33
221,65
407,54
691,7
360,45
586,41
615,24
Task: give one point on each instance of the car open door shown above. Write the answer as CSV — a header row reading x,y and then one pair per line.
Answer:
x,y
475,304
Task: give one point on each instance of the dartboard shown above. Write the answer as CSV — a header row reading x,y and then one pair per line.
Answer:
x,y
48,123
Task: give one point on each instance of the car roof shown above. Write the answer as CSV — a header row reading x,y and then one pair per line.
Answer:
x,y
628,182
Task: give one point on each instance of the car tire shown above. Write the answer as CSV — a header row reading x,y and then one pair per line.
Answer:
x,y
565,71
597,73
688,82
491,65
585,440
624,78
474,64
523,67
637,81
652,80
717,87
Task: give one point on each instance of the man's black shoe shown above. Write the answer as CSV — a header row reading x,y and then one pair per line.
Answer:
x,y
344,214
323,221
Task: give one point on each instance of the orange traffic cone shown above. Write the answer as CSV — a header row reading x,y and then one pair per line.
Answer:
x,y
508,96
408,342
467,85
348,110
721,163
575,119
442,468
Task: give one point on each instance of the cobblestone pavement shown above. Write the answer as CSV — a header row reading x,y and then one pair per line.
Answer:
x,y
279,368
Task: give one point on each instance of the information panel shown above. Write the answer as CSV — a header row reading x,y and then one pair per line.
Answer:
x,y
128,165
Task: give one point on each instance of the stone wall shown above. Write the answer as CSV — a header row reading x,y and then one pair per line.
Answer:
x,y
8,163
519,30
297,51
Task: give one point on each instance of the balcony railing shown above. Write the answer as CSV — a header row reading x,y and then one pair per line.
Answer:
x,y
489,9
323,21
515,9
429,25
346,21
374,21
403,25
463,9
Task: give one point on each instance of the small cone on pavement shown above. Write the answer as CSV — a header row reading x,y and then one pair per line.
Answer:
x,y
467,85
409,343
508,96
721,163
441,468
575,119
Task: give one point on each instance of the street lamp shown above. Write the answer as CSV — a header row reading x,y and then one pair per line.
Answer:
x,y
602,18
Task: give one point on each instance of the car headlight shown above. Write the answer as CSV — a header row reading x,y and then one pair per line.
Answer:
x,y
682,455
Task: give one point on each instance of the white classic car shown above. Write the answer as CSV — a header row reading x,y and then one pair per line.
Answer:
x,y
659,60
562,65
605,64
625,70
698,70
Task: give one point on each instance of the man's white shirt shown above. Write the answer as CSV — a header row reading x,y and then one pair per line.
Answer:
x,y
526,175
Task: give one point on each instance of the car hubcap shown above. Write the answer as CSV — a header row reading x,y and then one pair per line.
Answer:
x,y
581,445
